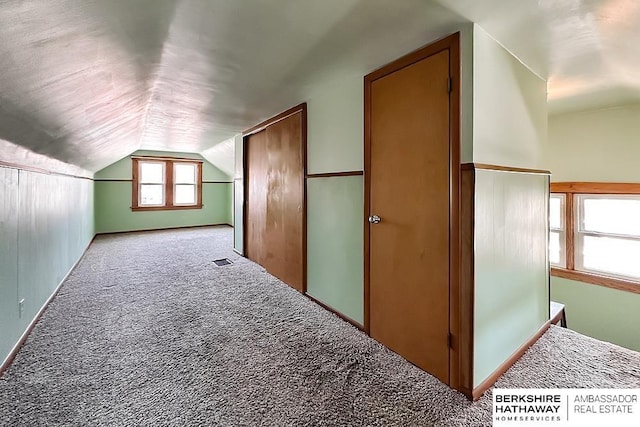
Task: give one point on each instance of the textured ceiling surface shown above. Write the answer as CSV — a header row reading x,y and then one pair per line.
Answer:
x,y
588,50
87,82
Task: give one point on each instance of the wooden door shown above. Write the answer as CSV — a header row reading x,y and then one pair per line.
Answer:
x,y
275,235
257,174
409,189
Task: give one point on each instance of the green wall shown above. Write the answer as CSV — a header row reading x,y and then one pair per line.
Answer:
x,y
9,262
336,205
113,189
511,270
46,222
603,313
335,126
509,107
596,146
334,244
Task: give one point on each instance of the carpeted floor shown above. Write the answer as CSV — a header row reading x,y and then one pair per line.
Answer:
x,y
147,331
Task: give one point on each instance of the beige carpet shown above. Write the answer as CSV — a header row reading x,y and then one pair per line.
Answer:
x,y
147,331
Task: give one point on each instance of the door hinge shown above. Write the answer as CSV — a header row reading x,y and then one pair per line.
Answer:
x,y
449,340
449,84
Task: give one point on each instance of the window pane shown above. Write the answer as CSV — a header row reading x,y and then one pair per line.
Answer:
x,y
185,195
611,255
554,247
612,215
184,173
151,173
555,211
152,194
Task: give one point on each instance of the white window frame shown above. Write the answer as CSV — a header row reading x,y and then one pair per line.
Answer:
x,y
163,184
580,233
194,184
562,230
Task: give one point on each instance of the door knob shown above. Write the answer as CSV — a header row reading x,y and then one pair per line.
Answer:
x,y
374,219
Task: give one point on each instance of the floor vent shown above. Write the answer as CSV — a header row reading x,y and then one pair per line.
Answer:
x,y
222,261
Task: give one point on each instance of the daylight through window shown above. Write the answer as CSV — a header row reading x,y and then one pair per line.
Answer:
x,y
608,235
164,184
594,233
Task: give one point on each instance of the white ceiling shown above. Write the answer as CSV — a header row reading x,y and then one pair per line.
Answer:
x,y
87,82
588,50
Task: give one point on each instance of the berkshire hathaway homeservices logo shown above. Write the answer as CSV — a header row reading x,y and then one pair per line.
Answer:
x,y
527,407
566,407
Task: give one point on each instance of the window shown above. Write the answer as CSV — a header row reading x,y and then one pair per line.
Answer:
x,y
152,183
166,183
594,233
608,235
557,230
185,184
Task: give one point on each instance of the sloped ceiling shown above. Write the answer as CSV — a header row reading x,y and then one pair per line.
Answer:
x,y
87,82
588,50
76,76
222,155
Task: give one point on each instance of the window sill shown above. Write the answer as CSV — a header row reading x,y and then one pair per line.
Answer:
x,y
165,208
595,279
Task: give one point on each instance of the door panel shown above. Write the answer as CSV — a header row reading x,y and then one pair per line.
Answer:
x,y
409,190
285,201
256,204
275,202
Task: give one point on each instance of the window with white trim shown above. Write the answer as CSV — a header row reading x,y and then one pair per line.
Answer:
x,y
184,184
166,184
607,235
152,185
557,230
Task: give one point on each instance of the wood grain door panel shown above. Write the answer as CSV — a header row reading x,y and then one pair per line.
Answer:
x,y
275,199
285,200
256,204
409,190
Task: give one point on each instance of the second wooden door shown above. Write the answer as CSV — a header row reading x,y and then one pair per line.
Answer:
x,y
409,191
275,199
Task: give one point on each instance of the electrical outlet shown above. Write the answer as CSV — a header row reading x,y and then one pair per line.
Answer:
x,y
20,307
